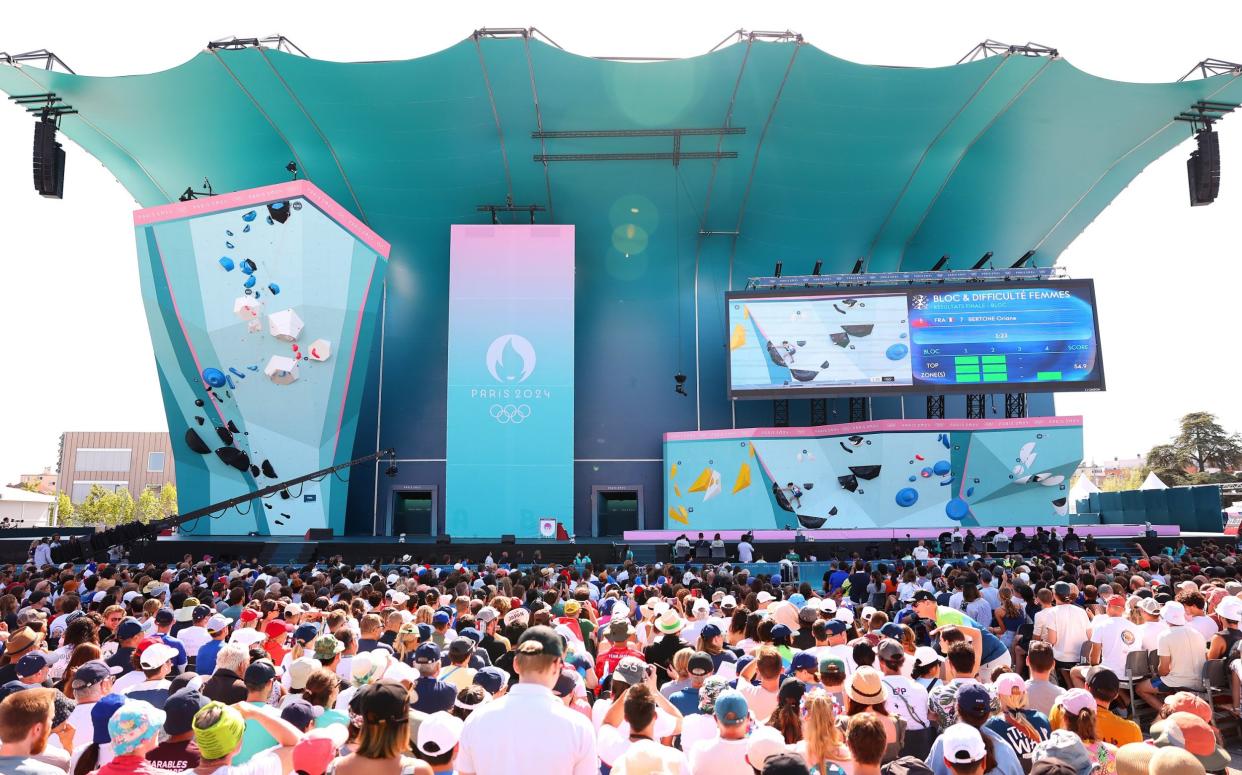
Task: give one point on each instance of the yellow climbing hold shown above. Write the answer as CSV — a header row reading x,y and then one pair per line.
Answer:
x,y
738,338
743,479
674,515
677,491
701,483
672,472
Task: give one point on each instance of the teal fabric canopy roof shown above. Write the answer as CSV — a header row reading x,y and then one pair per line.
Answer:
x,y
838,160
823,159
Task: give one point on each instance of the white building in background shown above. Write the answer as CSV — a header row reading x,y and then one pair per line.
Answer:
x,y
22,508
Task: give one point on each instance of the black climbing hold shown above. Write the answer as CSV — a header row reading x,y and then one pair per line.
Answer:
x,y
234,457
199,420
224,434
195,442
268,471
232,427
865,472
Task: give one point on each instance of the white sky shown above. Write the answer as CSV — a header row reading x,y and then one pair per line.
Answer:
x,y
76,350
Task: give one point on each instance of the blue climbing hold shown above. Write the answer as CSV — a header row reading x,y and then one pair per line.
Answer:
x,y
274,288
250,216
907,496
957,509
253,368
229,245
213,377
229,380
246,229
901,336
913,478
926,472
236,373
277,206
970,491
896,352
249,282
944,439
270,222
227,263
941,467
226,231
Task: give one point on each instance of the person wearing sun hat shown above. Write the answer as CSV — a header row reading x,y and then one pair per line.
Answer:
x,y
668,626
134,730
317,748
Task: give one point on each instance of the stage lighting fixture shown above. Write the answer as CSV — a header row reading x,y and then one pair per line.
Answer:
x,y
941,263
979,264
858,265
779,264
819,267
391,470
49,159
1203,168
680,379
1021,262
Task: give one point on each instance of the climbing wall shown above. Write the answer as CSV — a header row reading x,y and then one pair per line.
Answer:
x,y
885,474
262,306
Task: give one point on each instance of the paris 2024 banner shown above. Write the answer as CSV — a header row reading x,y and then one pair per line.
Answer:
x,y
510,379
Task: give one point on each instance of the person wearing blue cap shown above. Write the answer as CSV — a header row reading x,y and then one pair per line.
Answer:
x,y
94,748
32,669
727,752
128,634
433,694
493,680
805,667
711,641
442,634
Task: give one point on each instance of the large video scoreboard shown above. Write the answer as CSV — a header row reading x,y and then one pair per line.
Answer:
x,y
1039,336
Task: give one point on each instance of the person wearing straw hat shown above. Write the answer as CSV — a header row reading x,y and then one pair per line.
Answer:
x,y
668,626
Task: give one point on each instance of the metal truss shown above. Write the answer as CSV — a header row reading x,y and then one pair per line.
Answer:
x,y
780,413
1210,67
1015,405
278,42
819,411
976,406
49,60
935,407
991,48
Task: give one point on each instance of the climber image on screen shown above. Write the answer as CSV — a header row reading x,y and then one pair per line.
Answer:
x,y
968,338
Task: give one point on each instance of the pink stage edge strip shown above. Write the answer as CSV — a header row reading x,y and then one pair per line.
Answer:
x,y
879,534
877,426
264,194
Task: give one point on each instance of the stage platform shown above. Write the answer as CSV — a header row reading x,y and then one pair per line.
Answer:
x,y
912,534
648,546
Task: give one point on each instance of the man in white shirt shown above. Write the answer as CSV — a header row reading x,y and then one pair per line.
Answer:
x,y
1182,652
1196,618
906,698
920,552
1113,637
1064,626
745,551
762,698
1152,627
726,754
194,636
497,737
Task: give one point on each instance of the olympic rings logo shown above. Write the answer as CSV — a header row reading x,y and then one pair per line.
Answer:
x,y
508,413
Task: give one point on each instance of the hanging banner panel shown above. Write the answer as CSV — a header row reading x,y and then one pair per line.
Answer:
x,y
510,380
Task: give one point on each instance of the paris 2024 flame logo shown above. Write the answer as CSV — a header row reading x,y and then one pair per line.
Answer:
x,y
510,360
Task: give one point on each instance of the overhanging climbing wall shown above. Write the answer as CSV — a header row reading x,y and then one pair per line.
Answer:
x,y
883,474
262,306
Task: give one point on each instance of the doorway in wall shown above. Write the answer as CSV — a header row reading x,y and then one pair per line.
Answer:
x,y
616,509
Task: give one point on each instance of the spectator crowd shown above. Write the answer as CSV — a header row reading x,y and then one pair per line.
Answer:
x,y
1117,663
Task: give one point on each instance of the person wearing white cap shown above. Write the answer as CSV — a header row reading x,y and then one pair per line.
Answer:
x,y
698,619
1182,651
1229,610
437,739
1152,627
963,750
156,661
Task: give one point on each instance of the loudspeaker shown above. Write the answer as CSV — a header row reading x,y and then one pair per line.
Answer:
x,y
508,538
49,160
1203,169
319,534
444,538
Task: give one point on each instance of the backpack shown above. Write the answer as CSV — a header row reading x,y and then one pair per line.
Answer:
x,y
906,765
